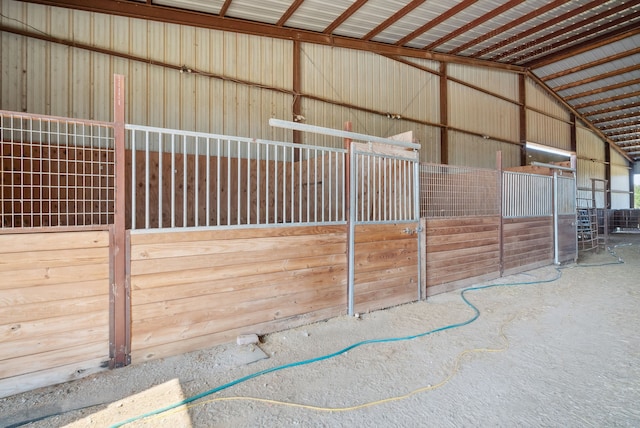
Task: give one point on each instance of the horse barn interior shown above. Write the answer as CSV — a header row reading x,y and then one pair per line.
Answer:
x,y
179,174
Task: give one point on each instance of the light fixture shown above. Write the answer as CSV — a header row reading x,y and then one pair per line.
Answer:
x,y
547,149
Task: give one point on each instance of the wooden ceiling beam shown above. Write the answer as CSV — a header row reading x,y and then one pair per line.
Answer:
x,y
605,60
440,19
538,28
224,8
393,19
498,31
620,126
624,132
344,16
633,114
480,20
214,22
612,109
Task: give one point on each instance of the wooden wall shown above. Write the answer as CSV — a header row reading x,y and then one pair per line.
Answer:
x,y
192,290
54,308
461,251
528,243
386,266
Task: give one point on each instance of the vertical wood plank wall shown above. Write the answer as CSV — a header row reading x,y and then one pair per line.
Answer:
x,y
54,308
461,251
192,290
528,243
386,266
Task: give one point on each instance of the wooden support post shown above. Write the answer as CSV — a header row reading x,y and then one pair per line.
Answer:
x,y
522,100
444,116
119,336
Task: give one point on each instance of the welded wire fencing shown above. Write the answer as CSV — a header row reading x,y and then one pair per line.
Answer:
x,y
55,171
189,179
455,191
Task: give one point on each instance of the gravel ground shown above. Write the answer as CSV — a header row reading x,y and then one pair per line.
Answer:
x,y
562,353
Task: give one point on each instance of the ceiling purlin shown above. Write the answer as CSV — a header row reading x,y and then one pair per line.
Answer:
x,y
345,15
290,11
562,32
498,31
597,77
537,29
612,109
480,20
224,8
607,100
591,64
615,134
587,45
440,19
603,89
393,19
626,140
606,119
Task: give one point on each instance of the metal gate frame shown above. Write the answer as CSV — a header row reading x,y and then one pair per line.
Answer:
x,y
402,188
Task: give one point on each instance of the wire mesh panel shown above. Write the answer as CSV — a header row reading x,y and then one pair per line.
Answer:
x,y
455,191
526,195
55,171
189,179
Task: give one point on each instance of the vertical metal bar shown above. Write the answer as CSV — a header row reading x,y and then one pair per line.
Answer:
x,y
238,156
293,186
322,189
556,238
330,186
146,181
160,186
300,163
276,186
133,180
228,182
315,188
173,180
352,223
308,163
248,221
196,182
208,183
266,193
184,181
258,184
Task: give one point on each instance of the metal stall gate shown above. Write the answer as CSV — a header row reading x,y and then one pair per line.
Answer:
x,y
564,217
384,226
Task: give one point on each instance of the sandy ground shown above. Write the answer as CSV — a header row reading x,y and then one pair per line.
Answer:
x,y
562,353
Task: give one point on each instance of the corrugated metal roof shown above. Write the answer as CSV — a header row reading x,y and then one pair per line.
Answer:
x,y
585,50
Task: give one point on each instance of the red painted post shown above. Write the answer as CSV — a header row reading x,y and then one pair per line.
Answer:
x,y
120,338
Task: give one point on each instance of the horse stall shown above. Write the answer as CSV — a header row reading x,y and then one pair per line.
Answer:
x,y
125,243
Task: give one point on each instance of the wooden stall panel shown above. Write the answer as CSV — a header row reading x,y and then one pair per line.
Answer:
x,y
386,266
528,243
461,251
195,289
54,308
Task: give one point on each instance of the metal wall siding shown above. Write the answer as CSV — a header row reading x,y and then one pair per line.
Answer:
x,y
476,111
469,150
546,130
495,81
332,116
539,99
589,145
369,81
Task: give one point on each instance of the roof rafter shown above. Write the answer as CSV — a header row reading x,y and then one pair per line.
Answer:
x,y
292,9
510,25
344,16
596,42
626,139
618,117
603,89
607,100
440,19
562,32
393,19
611,109
225,7
618,126
486,17
591,64
539,28
597,77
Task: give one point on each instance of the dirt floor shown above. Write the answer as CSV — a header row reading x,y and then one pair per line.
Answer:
x,y
561,353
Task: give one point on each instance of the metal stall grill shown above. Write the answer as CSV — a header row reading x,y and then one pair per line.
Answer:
x,y
190,179
56,171
526,195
